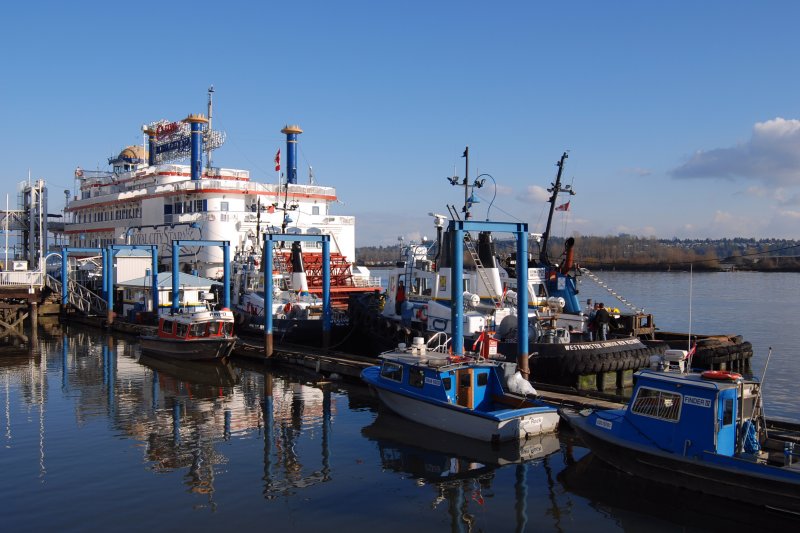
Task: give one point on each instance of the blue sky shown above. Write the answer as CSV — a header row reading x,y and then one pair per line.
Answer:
x,y
681,118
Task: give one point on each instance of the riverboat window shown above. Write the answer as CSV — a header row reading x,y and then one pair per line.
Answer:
x,y
181,329
166,327
178,208
416,378
657,404
727,412
483,379
224,206
199,330
392,371
447,382
315,210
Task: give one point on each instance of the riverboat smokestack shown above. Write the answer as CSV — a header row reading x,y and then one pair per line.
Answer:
x,y
151,145
196,122
291,152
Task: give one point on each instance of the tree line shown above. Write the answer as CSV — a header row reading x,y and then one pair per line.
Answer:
x,y
630,252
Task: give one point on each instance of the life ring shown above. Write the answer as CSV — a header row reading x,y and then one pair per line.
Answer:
x,y
721,375
287,308
456,359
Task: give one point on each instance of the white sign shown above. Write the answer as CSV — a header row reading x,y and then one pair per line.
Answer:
x,y
605,424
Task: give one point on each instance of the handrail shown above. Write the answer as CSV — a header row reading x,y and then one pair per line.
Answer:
x,y
21,278
79,296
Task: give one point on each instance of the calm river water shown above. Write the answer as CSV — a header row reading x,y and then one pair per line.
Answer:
x,y
95,436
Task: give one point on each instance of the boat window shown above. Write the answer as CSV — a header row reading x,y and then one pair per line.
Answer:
x,y
447,382
657,404
416,377
483,379
181,330
392,371
166,327
727,412
464,379
199,330
227,329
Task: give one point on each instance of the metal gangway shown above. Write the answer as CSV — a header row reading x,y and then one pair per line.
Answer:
x,y
80,297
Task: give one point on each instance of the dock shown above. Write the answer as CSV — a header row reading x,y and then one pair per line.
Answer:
x,y
350,366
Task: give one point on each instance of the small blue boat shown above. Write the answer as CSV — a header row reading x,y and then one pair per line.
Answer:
x,y
461,395
699,431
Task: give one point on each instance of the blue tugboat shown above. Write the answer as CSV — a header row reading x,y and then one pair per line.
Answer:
x,y
462,395
699,431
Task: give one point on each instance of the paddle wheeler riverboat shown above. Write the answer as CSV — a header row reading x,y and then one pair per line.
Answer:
x,y
195,335
699,431
461,395
149,197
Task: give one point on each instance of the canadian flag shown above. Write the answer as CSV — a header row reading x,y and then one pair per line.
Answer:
x,y
563,207
278,160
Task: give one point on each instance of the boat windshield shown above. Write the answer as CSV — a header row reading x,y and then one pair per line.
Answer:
x,y
199,330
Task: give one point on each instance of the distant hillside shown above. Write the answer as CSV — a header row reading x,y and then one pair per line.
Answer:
x,y
625,252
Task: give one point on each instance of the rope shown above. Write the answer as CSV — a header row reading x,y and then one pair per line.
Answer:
x,y
611,291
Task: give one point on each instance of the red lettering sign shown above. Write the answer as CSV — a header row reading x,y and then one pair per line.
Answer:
x,y
162,130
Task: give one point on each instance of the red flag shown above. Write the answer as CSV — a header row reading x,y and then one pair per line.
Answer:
x,y
478,340
563,207
278,160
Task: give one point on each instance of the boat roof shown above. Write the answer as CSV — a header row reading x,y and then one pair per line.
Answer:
x,y
432,359
196,317
165,281
694,379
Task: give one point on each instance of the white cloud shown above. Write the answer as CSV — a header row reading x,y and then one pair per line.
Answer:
x,y
535,193
771,155
637,171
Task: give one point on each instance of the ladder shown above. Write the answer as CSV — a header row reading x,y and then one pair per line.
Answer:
x,y
282,266
611,291
479,268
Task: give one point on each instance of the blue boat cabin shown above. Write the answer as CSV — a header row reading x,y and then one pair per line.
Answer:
x,y
473,387
690,416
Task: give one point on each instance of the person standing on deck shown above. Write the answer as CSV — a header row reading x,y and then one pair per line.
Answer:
x,y
602,319
399,298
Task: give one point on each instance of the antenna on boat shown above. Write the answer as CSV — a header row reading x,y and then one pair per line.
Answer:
x,y
208,131
757,405
454,180
555,189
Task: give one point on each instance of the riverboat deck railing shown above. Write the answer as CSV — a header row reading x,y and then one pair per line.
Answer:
x,y
21,279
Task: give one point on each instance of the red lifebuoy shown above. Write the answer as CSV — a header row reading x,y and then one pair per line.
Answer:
x,y
287,308
721,375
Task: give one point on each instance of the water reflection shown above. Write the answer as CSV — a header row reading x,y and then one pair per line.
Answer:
x,y
631,500
289,411
461,471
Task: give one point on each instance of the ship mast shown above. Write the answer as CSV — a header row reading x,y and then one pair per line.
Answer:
x,y
208,130
555,189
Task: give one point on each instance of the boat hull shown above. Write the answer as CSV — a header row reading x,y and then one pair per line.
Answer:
x,y
728,477
188,349
467,423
